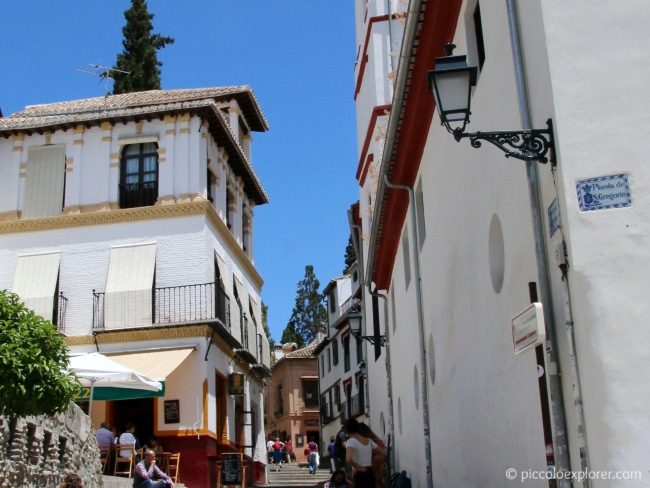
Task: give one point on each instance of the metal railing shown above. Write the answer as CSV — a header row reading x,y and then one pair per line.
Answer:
x,y
161,306
142,194
61,303
243,330
326,413
355,407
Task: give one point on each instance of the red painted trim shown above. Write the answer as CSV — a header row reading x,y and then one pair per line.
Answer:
x,y
376,112
347,382
364,58
366,167
438,26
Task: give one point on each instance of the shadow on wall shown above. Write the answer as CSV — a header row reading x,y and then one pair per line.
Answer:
x,y
42,450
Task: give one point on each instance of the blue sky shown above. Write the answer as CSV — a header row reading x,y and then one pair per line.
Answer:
x,y
298,55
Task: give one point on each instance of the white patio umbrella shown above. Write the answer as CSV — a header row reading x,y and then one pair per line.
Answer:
x,y
96,370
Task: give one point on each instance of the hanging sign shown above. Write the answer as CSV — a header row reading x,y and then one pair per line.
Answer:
x,y
528,328
236,384
611,191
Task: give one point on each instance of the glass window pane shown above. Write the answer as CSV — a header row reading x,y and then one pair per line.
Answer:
x,y
150,163
149,147
132,166
131,149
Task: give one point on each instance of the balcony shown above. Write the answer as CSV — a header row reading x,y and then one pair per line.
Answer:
x,y
355,407
60,308
141,194
172,305
327,413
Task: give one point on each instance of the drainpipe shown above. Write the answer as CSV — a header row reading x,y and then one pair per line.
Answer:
x,y
389,374
558,414
424,387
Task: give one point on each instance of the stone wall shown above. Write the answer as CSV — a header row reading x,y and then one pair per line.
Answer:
x,y
41,451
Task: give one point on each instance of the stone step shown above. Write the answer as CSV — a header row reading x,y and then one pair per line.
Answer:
x,y
119,482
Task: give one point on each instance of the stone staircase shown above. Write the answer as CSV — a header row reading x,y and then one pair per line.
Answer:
x,y
119,482
296,475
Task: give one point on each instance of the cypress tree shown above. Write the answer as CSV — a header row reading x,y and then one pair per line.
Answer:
x,y
308,315
139,57
350,255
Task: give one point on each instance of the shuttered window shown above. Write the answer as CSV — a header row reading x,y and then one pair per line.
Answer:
x,y
44,182
129,287
35,282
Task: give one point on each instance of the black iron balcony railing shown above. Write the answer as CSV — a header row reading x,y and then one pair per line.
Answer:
x,y
355,407
142,194
60,307
243,330
279,412
326,413
163,306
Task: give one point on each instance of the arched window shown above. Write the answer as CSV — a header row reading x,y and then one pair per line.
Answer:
x,y
139,175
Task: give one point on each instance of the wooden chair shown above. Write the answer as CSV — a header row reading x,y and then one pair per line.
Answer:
x,y
173,466
124,465
104,457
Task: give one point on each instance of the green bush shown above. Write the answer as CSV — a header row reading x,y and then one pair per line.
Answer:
x,y
33,361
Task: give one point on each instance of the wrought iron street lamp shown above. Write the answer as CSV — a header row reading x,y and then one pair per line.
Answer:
x,y
451,83
354,323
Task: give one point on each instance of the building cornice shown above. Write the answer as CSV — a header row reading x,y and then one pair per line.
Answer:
x,y
106,216
145,334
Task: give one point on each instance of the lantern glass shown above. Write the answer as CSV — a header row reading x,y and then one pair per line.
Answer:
x,y
451,83
354,322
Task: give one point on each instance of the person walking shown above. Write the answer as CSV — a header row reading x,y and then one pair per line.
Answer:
x,y
269,450
312,457
331,449
288,448
277,453
360,452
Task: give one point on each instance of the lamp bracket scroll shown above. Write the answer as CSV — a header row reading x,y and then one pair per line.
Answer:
x,y
527,145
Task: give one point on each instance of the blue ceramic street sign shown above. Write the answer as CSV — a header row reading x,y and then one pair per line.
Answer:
x,y
611,191
553,217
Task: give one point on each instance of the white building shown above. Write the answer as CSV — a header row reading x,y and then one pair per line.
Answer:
x,y
341,360
128,222
480,236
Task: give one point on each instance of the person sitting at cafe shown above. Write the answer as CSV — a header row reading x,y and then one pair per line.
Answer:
x,y
154,445
128,438
104,436
148,475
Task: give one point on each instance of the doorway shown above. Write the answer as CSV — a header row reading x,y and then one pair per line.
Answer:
x,y
139,412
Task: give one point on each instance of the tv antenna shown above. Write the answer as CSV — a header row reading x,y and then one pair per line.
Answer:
x,y
103,73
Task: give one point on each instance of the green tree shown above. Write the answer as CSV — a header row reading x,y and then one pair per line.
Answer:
x,y
350,255
289,335
33,362
308,315
139,59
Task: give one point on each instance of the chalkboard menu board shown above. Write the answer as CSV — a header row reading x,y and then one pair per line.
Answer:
x,y
231,468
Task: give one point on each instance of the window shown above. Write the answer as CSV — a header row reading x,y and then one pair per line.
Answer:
x,y
478,32
329,361
337,396
335,351
44,182
230,209
407,257
310,394
246,232
332,300
211,185
322,366
139,175
346,353
279,402
359,344
419,208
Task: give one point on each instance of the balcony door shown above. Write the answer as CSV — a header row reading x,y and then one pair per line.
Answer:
x,y
139,175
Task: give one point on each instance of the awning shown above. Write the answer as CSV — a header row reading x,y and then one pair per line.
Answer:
x,y
35,281
157,365
154,364
129,286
